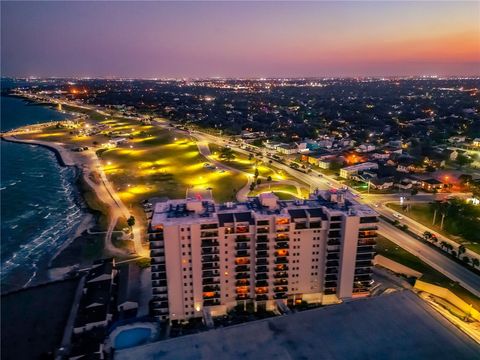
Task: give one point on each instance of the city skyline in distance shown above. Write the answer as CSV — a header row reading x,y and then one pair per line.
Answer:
x,y
246,40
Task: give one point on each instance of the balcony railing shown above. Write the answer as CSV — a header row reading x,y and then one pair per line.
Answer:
x,y
262,247
242,268
211,295
281,275
332,263
282,238
209,273
281,267
242,253
261,276
210,258
261,283
242,297
281,281
210,251
280,289
281,260
261,254
282,245
261,297
242,282
365,249
207,234
242,276
280,296
242,239
262,262
210,266
211,281
262,239
263,230
261,269
208,288
209,243
242,246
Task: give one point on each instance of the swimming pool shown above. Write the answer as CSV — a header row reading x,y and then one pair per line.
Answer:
x,y
132,337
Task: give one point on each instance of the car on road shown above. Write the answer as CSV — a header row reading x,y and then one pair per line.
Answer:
x,y
398,216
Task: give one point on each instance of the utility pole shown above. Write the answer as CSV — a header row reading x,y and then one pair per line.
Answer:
x,y
441,223
434,216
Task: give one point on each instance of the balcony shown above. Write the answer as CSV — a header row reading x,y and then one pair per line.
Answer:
x,y
261,254
209,288
280,289
210,273
261,269
211,302
283,229
156,253
280,296
211,295
301,226
262,239
281,275
282,267
262,262
366,242
315,224
330,291
331,270
242,268
243,275
281,260
208,226
243,282
159,276
242,229
363,271
282,245
330,284
263,230
365,256
210,266
332,256
262,297
242,297
262,247
279,282
281,253
262,276
363,264
211,281
333,248
242,253
365,249
331,277
332,242
332,263
282,238
261,290
209,243
210,251
261,283
334,234
242,239
242,246
363,278
208,234
210,258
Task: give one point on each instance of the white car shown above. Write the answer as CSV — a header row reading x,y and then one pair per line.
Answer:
x,y
398,216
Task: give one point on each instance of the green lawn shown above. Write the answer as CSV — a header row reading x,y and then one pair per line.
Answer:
x,y
423,214
392,251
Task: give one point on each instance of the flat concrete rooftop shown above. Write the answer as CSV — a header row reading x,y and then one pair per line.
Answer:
x,y
394,326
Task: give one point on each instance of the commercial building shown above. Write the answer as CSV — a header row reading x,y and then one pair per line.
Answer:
x,y
349,171
207,258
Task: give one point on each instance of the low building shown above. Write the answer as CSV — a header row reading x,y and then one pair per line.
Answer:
x,y
476,142
348,171
381,184
431,184
128,290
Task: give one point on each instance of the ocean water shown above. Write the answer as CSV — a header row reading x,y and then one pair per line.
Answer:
x,y
40,205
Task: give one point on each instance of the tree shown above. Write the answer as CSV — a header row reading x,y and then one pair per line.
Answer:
x,y
131,222
476,262
259,181
252,186
463,160
227,154
414,192
256,173
269,178
461,250
250,156
466,259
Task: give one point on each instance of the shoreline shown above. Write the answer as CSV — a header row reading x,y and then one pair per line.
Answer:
x,y
89,218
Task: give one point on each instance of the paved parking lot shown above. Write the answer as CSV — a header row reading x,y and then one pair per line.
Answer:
x,y
394,326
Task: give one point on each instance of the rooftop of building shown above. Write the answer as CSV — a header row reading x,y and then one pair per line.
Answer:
x,y
335,202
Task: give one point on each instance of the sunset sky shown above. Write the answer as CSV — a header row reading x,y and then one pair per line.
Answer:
x,y
230,39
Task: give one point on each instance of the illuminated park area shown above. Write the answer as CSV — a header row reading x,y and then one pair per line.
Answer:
x,y
149,161
271,178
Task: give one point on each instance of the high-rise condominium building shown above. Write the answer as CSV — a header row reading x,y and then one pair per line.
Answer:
x,y
208,257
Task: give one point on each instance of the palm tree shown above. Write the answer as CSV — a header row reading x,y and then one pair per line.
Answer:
x,y
466,259
461,250
475,262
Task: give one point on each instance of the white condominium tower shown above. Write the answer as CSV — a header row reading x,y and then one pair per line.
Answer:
x,y
210,257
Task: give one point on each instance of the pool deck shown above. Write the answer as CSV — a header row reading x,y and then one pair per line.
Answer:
x,y
395,326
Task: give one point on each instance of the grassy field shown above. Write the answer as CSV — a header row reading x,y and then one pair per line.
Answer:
x,y
423,214
153,162
392,251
